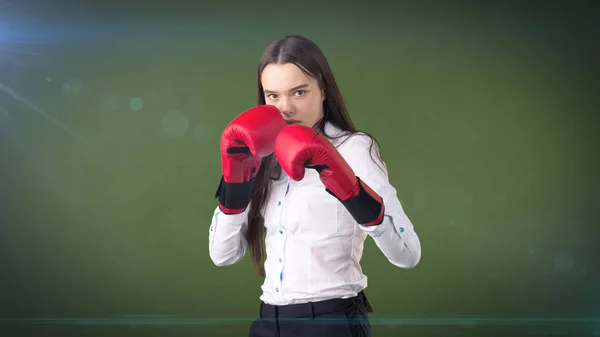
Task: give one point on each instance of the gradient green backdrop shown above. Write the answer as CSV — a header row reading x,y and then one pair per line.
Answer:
x,y
486,119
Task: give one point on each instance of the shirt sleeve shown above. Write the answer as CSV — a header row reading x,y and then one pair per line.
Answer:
x,y
227,243
395,236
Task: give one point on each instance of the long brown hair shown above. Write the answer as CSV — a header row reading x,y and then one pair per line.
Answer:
x,y
305,54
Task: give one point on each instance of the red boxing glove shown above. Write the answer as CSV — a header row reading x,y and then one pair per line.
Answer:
x,y
244,142
298,147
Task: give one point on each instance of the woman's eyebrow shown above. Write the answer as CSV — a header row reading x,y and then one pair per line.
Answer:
x,y
292,89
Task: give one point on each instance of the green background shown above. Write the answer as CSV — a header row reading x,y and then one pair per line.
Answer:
x,y
486,119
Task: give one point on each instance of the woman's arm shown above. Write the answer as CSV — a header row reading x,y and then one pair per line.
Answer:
x,y
227,242
245,142
395,236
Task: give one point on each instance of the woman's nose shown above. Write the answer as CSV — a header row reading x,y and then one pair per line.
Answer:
x,y
286,107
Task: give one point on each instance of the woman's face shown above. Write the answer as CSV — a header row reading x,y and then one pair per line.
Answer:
x,y
295,94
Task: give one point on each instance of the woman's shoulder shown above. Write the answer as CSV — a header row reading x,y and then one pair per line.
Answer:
x,y
358,145
348,139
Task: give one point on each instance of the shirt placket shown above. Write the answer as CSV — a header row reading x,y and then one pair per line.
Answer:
x,y
282,236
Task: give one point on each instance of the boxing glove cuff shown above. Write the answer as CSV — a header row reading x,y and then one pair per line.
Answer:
x,y
234,197
366,208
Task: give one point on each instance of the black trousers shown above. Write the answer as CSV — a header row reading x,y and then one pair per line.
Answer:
x,y
337,318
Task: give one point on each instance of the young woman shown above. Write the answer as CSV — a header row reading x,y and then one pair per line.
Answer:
x,y
300,182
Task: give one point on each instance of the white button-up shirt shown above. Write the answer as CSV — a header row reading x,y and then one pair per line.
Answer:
x,y
313,245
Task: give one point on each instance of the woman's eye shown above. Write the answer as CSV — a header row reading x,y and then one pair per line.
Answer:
x,y
272,96
300,93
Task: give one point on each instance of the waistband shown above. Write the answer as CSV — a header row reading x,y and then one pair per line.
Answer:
x,y
313,309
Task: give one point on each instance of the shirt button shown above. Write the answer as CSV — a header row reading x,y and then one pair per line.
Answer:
x,y
280,231
280,259
401,229
279,203
277,289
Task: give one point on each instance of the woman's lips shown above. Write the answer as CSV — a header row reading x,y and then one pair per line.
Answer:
x,y
292,121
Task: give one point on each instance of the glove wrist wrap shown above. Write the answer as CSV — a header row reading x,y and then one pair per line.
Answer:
x,y
366,208
234,197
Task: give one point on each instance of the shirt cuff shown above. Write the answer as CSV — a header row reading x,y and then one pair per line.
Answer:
x,y
233,219
376,231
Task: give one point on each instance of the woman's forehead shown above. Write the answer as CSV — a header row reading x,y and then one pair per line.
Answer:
x,y
283,77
